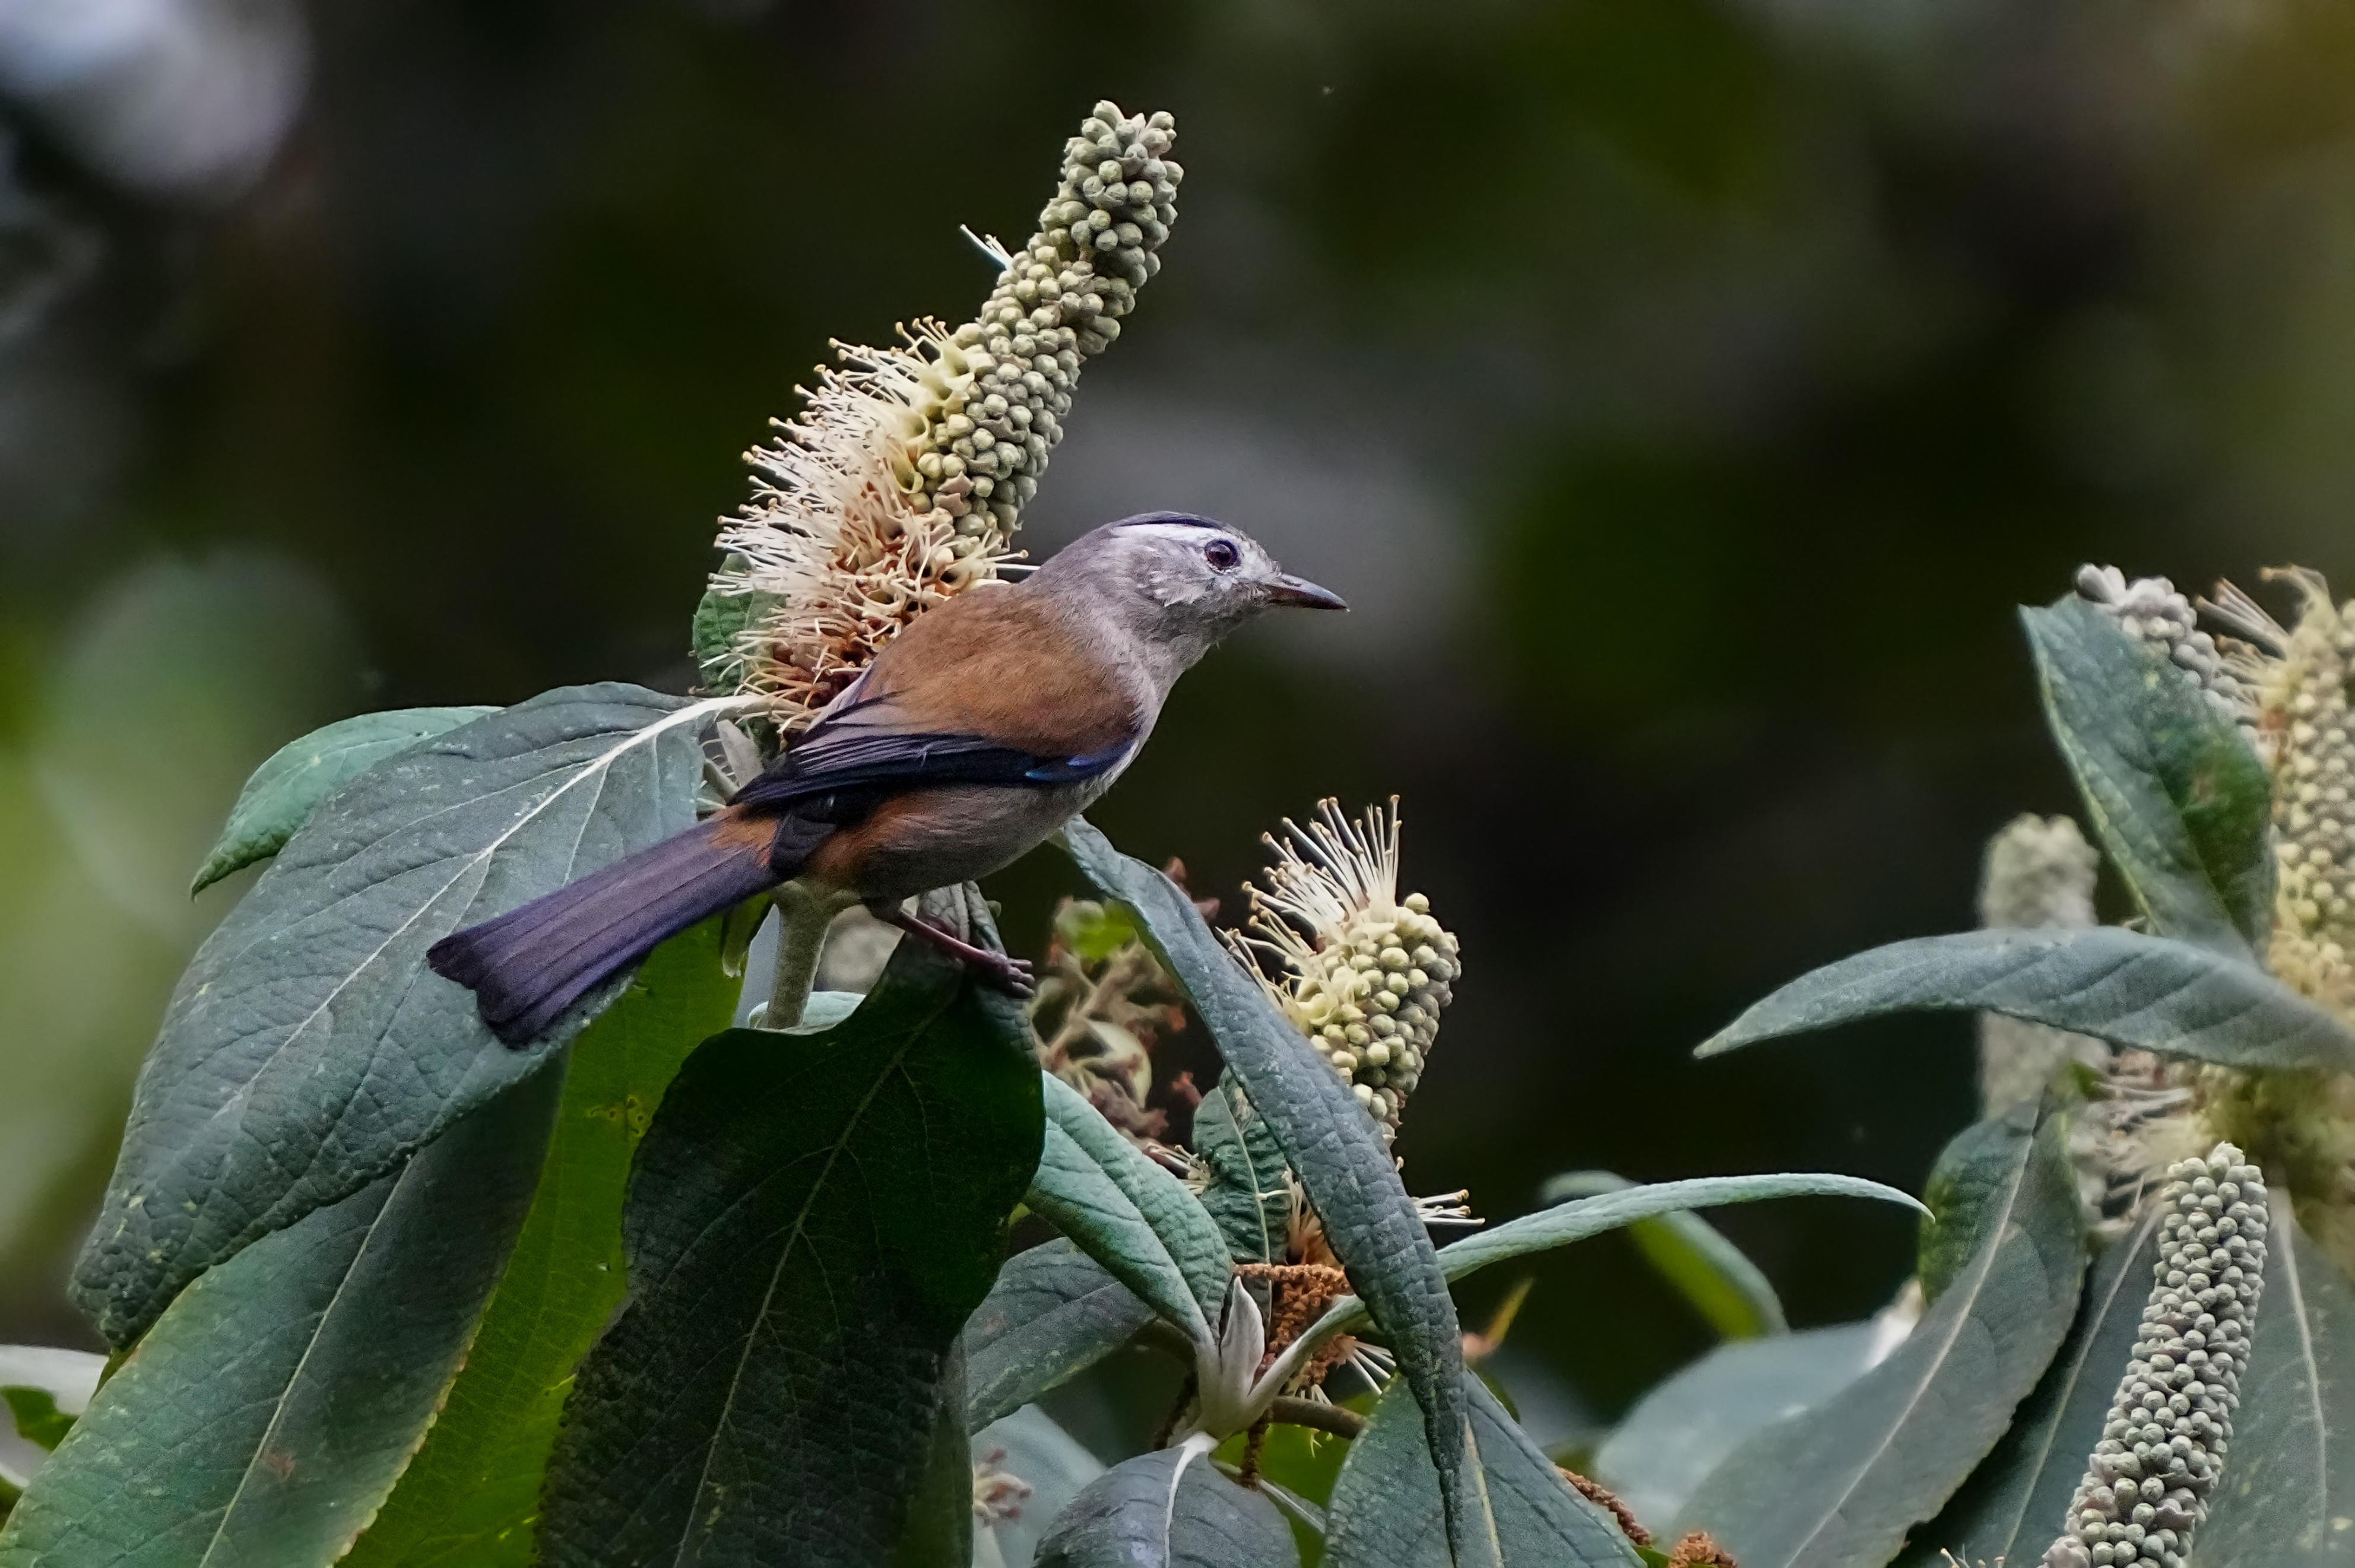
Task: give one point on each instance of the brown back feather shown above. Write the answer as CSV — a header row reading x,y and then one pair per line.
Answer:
x,y
1009,664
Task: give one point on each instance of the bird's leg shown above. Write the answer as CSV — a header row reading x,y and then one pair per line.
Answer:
x,y
1010,975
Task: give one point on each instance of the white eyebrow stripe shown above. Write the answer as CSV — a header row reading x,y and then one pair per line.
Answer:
x,y
1192,533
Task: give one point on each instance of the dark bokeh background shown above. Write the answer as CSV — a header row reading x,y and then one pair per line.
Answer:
x,y
1684,391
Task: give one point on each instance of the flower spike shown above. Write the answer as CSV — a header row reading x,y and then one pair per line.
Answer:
x,y
1360,970
902,480
2148,1482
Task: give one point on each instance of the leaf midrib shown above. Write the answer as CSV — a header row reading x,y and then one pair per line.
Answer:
x,y
2133,1245
2291,1277
887,1070
302,1363
599,768
1981,1268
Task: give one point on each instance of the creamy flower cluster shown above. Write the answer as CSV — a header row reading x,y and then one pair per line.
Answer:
x,y
1058,300
1362,972
2297,678
2148,1483
902,480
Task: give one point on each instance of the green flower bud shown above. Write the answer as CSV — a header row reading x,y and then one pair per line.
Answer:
x,y
2149,610
2150,1480
2039,873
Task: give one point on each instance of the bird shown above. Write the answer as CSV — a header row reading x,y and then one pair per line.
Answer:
x,y
988,723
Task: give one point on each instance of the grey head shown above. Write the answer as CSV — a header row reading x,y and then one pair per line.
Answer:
x,y
1174,583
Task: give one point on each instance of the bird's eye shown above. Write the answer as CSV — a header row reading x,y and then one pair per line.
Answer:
x,y
1223,555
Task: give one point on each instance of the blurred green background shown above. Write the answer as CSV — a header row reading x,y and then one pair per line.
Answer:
x,y
1684,391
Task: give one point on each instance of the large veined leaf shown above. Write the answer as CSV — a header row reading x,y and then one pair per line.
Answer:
x,y
1723,1286
265,1417
307,1050
1334,1148
1385,1511
2286,1498
293,781
1131,1215
1167,1509
2180,800
1839,1485
1248,1193
2146,992
811,1219
1584,1218
936,1529
2015,1502
1050,1465
1685,1426
469,1498
1053,1313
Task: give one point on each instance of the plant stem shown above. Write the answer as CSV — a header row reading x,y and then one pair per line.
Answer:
x,y
1323,1417
802,919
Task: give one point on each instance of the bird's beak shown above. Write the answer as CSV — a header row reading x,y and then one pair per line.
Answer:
x,y
1304,594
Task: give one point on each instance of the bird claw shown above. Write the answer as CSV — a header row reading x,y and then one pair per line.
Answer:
x,y
994,970
1013,975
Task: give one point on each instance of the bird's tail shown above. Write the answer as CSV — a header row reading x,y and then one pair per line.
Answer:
x,y
530,964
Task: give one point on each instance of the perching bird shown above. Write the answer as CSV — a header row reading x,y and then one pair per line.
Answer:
x,y
975,734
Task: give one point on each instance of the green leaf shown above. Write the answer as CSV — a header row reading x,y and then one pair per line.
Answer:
x,y
2286,1498
1839,1485
2016,1502
469,1498
1724,1287
265,1417
1576,1221
1167,1509
287,788
1249,1195
1052,1314
35,1414
720,619
937,1530
1332,1146
2180,802
2145,992
1682,1430
1385,1512
811,1219
1131,1215
1029,1447
307,1052
45,1390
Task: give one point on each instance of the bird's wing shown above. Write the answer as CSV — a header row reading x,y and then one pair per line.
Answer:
x,y
992,687
864,763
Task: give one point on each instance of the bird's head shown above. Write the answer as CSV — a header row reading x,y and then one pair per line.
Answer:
x,y
1177,581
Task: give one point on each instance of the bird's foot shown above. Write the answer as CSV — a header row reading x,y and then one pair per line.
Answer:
x,y
1011,975
998,971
